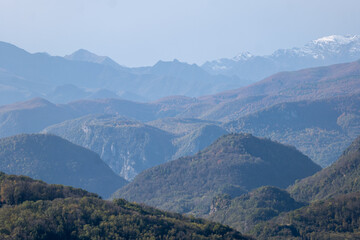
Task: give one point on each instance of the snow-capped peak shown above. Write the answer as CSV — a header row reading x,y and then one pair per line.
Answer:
x,y
242,56
337,39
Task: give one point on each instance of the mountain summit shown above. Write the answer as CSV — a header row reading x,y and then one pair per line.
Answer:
x,y
86,56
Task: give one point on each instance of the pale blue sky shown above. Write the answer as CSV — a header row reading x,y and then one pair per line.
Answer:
x,y
141,32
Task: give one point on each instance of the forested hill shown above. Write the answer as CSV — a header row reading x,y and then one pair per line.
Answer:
x,y
334,218
34,210
340,178
234,164
55,160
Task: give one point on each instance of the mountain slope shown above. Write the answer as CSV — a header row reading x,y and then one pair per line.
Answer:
x,y
233,164
335,218
340,178
127,146
31,116
321,129
191,135
32,209
36,114
245,211
307,84
86,56
18,189
55,160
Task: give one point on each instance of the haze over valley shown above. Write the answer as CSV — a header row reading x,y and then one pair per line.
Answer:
x,y
179,120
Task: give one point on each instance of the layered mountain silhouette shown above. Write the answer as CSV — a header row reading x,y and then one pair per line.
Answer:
x,y
307,84
55,160
26,75
234,164
40,74
329,93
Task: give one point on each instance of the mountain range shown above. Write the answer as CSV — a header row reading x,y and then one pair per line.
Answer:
x,y
238,141
315,110
320,52
24,75
85,75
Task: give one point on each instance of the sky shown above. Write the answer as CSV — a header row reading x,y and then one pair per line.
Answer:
x,y
142,32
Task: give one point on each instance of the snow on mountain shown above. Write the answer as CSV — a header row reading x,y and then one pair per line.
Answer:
x,y
323,51
243,56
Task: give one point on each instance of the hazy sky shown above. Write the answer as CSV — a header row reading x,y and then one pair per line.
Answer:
x,y
141,32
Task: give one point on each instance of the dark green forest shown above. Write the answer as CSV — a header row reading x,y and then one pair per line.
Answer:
x,y
335,218
35,210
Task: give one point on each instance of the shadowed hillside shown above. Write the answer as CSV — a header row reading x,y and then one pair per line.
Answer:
x,y
55,160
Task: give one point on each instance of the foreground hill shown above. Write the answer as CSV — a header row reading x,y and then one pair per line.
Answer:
x,y
18,189
55,160
340,178
32,209
234,164
334,218
321,129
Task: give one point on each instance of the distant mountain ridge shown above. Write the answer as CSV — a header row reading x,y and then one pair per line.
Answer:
x,y
40,74
26,75
86,56
306,84
327,50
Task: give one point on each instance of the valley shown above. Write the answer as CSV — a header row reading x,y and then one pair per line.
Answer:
x,y
254,147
